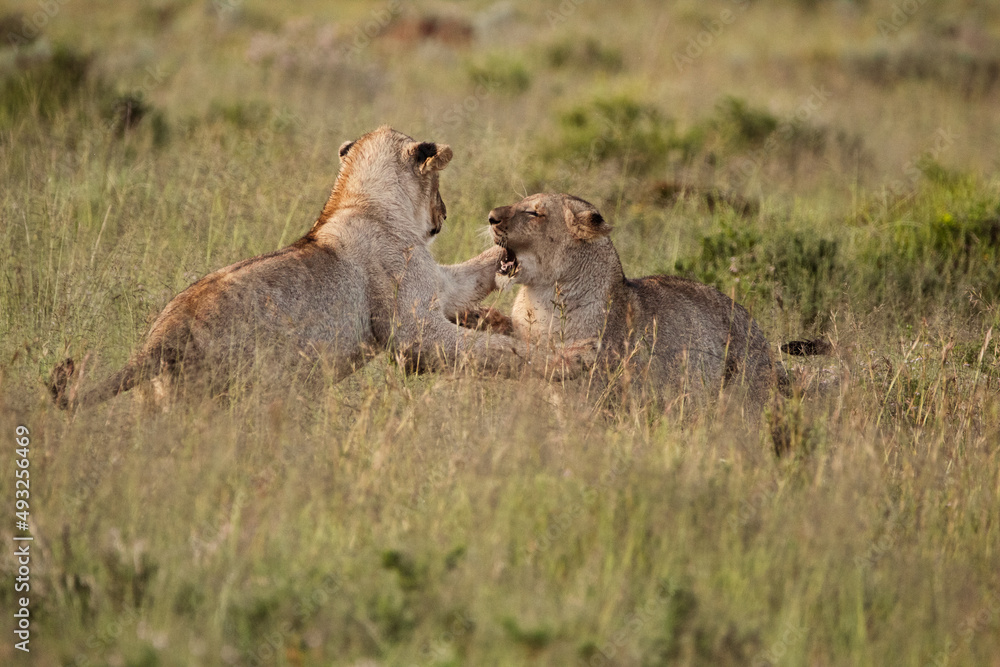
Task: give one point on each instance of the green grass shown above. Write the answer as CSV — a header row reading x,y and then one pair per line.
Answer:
x,y
447,520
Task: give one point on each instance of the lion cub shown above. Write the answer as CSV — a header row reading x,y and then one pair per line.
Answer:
x,y
677,332
362,280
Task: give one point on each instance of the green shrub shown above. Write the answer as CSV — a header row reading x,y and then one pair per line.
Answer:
x,y
756,135
810,273
585,54
799,271
741,126
973,74
42,86
501,74
941,247
624,129
945,243
721,253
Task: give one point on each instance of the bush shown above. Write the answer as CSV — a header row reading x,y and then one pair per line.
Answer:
x,y
974,75
810,274
741,126
797,271
945,243
586,54
42,86
941,247
501,74
624,129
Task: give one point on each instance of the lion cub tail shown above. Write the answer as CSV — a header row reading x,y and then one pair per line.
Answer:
x,y
65,394
807,348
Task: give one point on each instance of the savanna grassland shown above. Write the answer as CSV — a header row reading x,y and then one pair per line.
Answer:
x,y
833,165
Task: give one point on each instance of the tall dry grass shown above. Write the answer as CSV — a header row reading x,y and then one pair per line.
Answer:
x,y
453,519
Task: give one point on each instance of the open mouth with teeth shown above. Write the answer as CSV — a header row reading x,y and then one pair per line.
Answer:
x,y
508,263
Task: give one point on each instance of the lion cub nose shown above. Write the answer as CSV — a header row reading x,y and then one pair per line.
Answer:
x,y
498,215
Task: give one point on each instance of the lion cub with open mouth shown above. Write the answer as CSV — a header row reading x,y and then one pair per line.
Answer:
x,y
679,333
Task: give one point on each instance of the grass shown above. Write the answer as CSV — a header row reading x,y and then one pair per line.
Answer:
x,y
445,520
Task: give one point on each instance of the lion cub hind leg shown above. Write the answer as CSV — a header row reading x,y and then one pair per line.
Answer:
x,y
159,394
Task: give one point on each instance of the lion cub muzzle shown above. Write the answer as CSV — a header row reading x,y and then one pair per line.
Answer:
x,y
498,225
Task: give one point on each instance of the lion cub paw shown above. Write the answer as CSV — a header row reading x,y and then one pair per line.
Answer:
x,y
576,358
58,383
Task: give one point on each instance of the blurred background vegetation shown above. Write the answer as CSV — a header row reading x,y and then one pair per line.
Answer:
x,y
831,164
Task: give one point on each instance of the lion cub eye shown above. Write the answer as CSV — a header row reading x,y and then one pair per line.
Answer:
x,y
533,214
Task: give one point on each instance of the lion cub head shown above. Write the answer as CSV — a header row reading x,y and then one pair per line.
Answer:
x,y
388,174
541,233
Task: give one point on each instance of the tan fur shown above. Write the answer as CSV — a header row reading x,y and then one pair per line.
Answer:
x,y
679,332
363,279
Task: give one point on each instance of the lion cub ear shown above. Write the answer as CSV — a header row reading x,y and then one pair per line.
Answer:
x,y
430,156
345,148
585,225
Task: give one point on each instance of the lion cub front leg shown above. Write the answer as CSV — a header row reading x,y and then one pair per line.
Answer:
x,y
463,286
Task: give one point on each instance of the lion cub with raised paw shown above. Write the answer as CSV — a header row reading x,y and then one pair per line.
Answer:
x,y
668,332
360,281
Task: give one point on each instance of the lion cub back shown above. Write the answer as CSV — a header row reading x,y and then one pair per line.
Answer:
x,y
699,330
